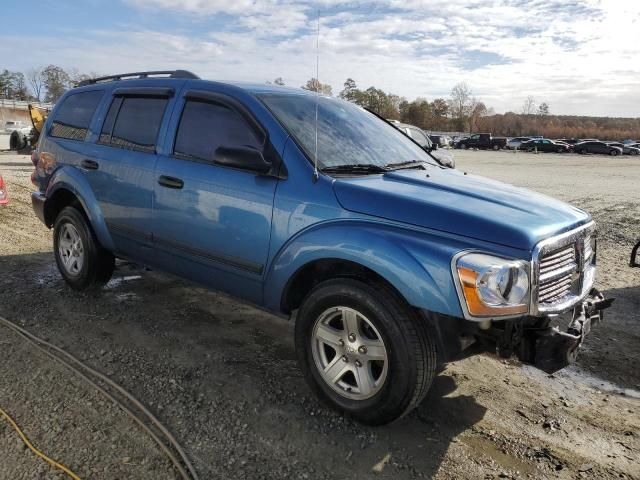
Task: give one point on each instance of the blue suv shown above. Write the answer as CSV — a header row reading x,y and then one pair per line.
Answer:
x,y
314,208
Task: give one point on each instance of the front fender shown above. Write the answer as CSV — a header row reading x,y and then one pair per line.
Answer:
x,y
417,264
70,178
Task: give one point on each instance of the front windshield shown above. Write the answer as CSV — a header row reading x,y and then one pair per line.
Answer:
x,y
347,134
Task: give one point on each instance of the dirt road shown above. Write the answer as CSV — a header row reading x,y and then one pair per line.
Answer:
x,y
223,376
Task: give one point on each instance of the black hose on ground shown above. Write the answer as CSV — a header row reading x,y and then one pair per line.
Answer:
x,y
69,361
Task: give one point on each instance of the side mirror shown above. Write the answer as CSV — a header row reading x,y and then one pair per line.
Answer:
x,y
242,158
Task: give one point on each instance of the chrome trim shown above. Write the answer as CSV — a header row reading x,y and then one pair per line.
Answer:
x,y
554,243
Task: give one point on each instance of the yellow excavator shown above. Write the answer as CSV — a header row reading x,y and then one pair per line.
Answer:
x,y
22,141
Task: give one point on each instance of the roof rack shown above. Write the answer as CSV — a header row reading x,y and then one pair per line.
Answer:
x,y
122,76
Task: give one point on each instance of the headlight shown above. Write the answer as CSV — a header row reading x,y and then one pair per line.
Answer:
x,y
493,286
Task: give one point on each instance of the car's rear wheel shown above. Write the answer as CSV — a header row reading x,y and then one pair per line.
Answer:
x,y
560,150
496,147
463,146
363,350
613,152
82,262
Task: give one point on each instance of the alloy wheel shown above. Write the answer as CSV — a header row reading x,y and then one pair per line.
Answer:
x,y
349,353
71,249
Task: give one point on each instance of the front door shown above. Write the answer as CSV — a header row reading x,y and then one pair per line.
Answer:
x,y
213,223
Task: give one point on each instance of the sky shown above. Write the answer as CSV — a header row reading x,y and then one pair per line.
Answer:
x,y
580,57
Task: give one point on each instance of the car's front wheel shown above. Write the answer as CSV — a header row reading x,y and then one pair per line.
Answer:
x,y
363,350
83,263
496,147
613,152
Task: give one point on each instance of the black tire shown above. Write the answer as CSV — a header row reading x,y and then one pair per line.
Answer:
x,y
613,152
463,146
411,353
496,147
560,150
97,263
17,141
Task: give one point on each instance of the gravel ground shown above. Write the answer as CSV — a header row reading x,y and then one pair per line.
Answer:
x,y
223,376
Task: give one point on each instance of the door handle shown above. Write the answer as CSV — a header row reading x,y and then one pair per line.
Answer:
x,y
89,164
170,182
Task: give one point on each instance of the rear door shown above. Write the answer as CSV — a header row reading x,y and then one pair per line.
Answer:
x,y
213,223
122,162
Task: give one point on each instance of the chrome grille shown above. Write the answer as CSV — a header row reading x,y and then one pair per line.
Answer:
x,y
563,271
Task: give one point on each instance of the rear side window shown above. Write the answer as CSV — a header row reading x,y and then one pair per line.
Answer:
x,y
133,123
73,117
205,126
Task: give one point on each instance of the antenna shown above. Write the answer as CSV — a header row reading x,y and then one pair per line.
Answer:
x,y
315,157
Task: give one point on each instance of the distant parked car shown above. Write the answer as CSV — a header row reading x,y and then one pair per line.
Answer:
x,y
544,145
597,147
422,139
4,196
626,149
11,126
514,143
482,141
442,141
568,141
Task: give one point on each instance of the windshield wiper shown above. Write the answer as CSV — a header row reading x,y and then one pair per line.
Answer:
x,y
356,168
405,165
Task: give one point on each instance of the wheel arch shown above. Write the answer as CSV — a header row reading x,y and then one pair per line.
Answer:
x,y
417,268
317,271
69,187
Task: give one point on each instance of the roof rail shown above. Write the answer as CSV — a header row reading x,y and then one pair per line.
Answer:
x,y
122,76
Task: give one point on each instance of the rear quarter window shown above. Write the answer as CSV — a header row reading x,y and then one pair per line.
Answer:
x,y
72,118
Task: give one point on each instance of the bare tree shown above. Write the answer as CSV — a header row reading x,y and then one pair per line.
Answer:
x,y
316,86
36,82
461,105
478,110
279,81
543,109
529,106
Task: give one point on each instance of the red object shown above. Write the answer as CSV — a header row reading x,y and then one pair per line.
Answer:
x,y
4,196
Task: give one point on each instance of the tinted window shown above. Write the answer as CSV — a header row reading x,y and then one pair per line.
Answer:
x,y
73,117
206,126
347,134
137,122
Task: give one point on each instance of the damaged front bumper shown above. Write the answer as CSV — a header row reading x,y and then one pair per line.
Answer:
x,y
550,349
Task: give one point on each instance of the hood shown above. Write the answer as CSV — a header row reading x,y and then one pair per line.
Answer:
x,y
454,202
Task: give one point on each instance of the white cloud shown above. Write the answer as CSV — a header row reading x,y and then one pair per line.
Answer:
x,y
580,57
